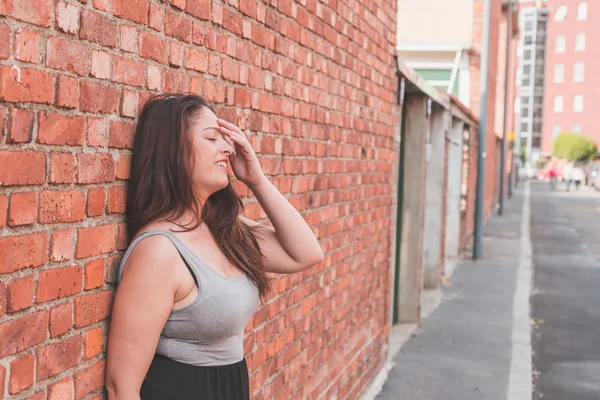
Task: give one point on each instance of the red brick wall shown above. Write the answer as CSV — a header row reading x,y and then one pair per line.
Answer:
x,y
314,82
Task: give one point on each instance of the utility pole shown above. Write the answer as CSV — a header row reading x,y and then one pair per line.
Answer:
x,y
506,76
485,67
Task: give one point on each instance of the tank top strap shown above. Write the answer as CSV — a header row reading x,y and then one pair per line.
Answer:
x,y
181,248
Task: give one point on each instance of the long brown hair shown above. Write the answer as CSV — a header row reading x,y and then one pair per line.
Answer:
x,y
161,184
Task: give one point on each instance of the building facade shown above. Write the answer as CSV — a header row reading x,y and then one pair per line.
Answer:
x,y
572,86
531,78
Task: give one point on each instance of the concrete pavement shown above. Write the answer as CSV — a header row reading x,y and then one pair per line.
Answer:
x,y
475,344
566,297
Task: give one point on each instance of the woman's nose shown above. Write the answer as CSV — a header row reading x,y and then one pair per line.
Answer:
x,y
227,146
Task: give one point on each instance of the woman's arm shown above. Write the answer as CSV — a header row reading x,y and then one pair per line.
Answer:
x,y
142,305
291,246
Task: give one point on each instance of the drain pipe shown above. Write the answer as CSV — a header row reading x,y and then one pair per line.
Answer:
x,y
485,68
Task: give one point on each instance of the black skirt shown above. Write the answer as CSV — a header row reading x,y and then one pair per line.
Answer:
x,y
171,380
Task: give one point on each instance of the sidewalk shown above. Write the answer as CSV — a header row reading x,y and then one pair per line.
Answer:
x,y
467,348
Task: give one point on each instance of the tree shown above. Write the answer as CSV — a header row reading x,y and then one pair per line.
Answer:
x,y
574,147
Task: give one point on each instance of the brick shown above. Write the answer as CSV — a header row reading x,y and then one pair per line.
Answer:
x,y
97,98
217,14
129,38
3,299
248,8
180,4
67,18
61,319
144,97
2,376
25,85
97,28
94,274
61,245
102,5
232,22
37,396
27,46
58,357
174,82
20,294
95,132
129,103
153,80
101,64
62,166
22,168
196,85
22,333
198,33
67,92
92,308
196,60
116,200
4,42
215,92
176,54
95,241
37,12
90,379
67,56
153,47
93,343
21,374
59,283
199,8
155,17
178,27
133,10
122,237
121,134
60,130
3,212
95,202
61,390
230,70
20,126
22,209
61,206
123,166
128,71
95,168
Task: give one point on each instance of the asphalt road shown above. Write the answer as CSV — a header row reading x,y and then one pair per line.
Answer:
x,y
565,233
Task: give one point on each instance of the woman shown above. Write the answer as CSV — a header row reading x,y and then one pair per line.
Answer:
x,y
195,270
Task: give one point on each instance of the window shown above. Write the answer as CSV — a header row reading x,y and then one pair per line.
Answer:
x,y
524,127
525,113
561,13
556,131
537,128
578,72
576,129
558,104
578,103
560,44
559,73
528,54
536,142
580,42
582,10
526,69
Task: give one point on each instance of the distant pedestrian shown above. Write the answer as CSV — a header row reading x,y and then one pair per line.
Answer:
x,y
566,173
577,175
552,174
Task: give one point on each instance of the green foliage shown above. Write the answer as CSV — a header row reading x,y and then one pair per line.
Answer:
x,y
574,147
523,156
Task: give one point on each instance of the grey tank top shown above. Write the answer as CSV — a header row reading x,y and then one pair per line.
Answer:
x,y
210,330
